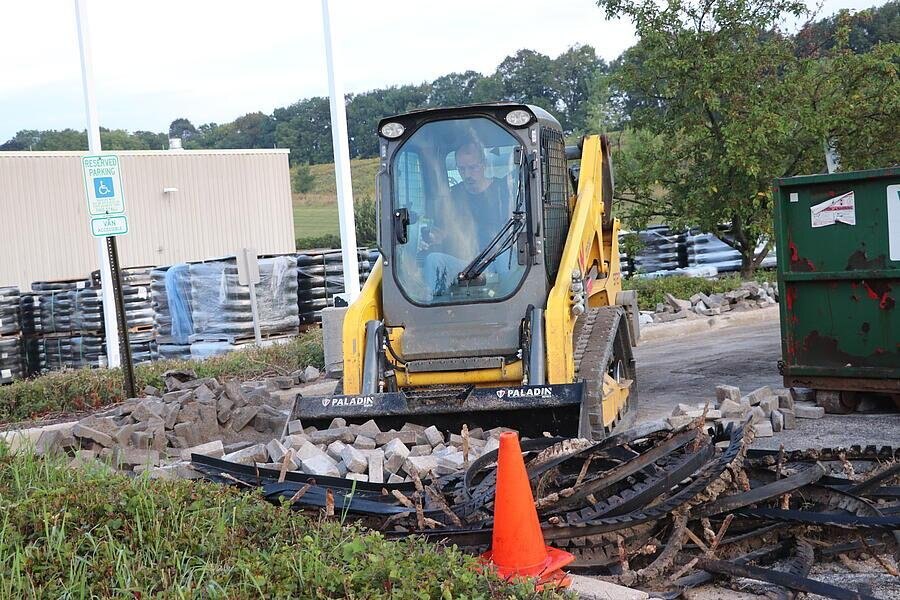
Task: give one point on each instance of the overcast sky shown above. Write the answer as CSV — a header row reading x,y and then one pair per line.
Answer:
x,y
214,60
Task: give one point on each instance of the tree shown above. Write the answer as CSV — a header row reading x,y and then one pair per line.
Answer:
x,y
454,89
182,128
528,77
576,71
723,105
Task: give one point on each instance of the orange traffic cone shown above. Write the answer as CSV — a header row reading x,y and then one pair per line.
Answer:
x,y
517,547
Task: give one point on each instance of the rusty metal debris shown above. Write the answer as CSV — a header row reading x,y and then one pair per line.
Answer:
x,y
652,508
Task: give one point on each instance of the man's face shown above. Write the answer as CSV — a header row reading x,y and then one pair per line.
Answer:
x,y
471,167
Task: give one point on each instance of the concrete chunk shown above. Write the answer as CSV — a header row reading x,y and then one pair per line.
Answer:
x,y
129,457
406,437
763,429
758,415
295,426
326,436
214,449
768,405
89,433
790,419
337,422
241,417
590,588
777,419
276,450
785,400
376,466
803,411
732,409
357,476
394,479
759,394
335,448
420,450
248,456
728,392
433,435
321,464
395,463
364,443
420,464
355,461
369,429
676,422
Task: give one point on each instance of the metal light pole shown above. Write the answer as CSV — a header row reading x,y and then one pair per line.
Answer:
x,y
341,163
93,133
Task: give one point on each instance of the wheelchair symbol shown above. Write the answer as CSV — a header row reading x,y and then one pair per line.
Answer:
x,y
103,187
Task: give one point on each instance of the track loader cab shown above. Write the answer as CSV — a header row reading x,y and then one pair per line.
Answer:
x,y
495,300
463,233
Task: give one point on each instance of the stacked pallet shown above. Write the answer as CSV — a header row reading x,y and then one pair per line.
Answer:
x,y
705,249
11,366
320,276
220,305
170,298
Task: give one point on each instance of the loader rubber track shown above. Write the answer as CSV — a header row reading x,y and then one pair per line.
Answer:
x,y
600,336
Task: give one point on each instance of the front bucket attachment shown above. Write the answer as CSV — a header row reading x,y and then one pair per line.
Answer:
x,y
531,409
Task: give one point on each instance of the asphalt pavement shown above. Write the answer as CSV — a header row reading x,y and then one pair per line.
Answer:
x,y
687,368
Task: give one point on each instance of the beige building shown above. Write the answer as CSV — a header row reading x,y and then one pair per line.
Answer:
x,y
182,205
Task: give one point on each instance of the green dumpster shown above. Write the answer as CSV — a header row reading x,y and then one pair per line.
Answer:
x,y
838,240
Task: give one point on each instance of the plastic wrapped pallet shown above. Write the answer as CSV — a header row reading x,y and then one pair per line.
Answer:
x,y
220,305
170,298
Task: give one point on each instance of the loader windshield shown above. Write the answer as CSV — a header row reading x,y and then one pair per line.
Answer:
x,y
458,185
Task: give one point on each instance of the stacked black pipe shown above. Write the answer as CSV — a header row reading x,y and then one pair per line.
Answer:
x,y
30,315
705,249
11,367
320,275
661,250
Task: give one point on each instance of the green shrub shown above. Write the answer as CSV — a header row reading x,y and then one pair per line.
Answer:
x,y
81,389
302,179
82,533
653,291
329,240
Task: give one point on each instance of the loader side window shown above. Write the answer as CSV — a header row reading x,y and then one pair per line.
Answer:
x,y
555,193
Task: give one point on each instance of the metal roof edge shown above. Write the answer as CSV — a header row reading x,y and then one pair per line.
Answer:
x,y
840,176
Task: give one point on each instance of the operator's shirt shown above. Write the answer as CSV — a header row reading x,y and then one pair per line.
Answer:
x,y
485,212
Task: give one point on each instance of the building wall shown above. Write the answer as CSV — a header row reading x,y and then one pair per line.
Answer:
x,y
226,200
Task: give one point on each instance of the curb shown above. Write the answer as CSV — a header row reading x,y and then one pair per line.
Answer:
x,y
665,331
18,439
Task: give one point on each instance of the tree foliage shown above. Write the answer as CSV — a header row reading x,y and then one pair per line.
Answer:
x,y
561,85
720,102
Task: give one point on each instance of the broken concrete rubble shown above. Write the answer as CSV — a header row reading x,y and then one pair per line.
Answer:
x,y
750,295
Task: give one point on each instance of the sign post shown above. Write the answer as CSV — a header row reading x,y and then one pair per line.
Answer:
x,y
105,223
248,274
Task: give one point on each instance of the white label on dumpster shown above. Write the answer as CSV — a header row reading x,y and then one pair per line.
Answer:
x,y
840,209
893,218
5,373
795,197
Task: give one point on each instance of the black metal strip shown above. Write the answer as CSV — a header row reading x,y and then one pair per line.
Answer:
x,y
814,518
788,580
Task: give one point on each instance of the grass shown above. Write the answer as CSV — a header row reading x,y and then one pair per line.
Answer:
x,y
653,291
83,533
83,389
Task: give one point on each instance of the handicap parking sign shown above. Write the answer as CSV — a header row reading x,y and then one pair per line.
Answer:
x,y
103,187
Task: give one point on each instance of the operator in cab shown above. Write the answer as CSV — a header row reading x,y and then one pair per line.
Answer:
x,y
480,207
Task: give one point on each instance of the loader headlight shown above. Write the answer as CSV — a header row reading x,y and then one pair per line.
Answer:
x,y
518,117
392,130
